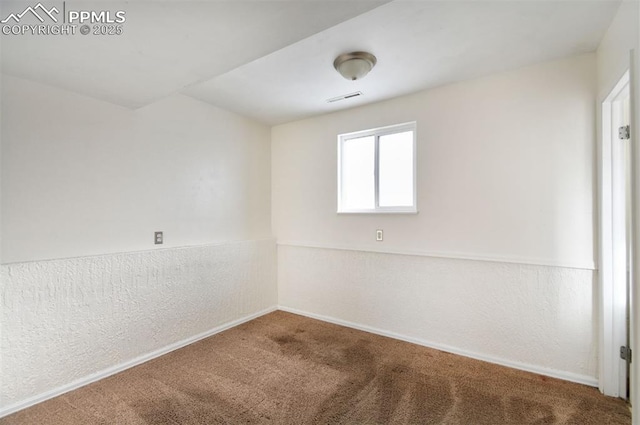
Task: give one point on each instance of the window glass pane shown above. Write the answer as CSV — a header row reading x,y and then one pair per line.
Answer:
x,y
358,160
396,170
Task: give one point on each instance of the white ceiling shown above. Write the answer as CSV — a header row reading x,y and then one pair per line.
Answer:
x,y
166,45
272,60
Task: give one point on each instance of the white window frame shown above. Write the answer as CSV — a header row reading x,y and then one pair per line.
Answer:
x,y
377,133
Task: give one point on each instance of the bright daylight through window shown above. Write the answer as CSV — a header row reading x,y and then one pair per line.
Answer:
x,y
377,170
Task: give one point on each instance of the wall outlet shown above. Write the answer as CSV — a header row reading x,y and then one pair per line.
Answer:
x,y
157,236
379,235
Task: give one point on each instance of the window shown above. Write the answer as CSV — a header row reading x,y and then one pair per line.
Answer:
x,y
377,170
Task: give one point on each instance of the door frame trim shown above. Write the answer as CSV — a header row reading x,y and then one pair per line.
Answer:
x,y
608,366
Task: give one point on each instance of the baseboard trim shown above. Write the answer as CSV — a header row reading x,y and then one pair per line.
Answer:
x,y
553,373
127,365
567,376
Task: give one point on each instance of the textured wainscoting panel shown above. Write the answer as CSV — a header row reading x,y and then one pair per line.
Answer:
x,y
63,320
538,317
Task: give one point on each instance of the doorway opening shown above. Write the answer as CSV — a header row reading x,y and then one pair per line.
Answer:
x,y
615,242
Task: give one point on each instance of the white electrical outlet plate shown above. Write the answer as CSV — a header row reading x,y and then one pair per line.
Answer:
x,y
379,235
158,238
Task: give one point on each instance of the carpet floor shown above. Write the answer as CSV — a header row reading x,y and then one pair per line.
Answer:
x,y
287,369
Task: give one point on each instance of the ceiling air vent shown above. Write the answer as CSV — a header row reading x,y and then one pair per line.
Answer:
x,y
344,97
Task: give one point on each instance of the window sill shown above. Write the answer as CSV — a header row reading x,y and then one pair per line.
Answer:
x,y
377,212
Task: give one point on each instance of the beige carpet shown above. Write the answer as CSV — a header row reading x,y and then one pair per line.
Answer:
x,y
287,369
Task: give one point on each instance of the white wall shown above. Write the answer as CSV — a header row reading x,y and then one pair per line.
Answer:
x,y
505,170
505,174
86,183
613,51
83,177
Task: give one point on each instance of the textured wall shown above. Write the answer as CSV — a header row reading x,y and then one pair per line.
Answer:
x,y
63,320
524,315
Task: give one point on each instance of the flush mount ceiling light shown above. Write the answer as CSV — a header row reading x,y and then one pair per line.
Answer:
x,y
354,65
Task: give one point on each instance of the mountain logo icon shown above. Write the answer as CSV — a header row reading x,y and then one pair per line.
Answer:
x,y
39,11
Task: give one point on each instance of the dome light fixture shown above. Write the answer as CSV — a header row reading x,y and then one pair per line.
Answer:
x,y
355,65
